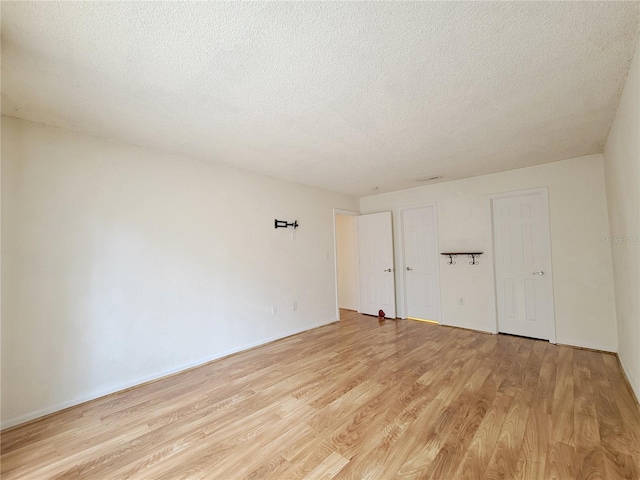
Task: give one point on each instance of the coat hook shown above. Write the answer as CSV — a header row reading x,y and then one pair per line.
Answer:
x,y
473,256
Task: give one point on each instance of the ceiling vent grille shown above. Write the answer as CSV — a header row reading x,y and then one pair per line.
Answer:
x,y
428,179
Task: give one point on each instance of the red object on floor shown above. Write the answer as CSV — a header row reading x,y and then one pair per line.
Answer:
x,y
381,313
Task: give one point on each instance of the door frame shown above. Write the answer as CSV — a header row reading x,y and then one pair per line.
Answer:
x,y
351,213
403,277
544,194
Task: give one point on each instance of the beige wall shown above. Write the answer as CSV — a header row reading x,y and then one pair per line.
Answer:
x,y
622,173
582,271
122,264
346,239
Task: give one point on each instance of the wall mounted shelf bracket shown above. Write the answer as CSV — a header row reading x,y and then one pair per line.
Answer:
x,y
284,224
471,255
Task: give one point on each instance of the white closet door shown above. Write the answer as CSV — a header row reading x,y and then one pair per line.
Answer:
x,y
420,240
377,281
523,266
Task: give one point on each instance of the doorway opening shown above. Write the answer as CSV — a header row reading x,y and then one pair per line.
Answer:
x,y
346,261
364,268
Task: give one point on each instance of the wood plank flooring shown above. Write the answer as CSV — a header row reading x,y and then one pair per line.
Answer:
x,y
359,399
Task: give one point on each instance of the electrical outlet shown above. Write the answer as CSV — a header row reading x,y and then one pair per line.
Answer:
x,y
294,306
461,301
274,310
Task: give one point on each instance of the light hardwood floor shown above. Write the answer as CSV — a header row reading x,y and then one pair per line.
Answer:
x,y
354,400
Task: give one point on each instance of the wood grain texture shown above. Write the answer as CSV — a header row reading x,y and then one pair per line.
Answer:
x,y
359,399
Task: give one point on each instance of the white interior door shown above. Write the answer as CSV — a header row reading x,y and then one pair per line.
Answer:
x,y
523,265
375,247
421,263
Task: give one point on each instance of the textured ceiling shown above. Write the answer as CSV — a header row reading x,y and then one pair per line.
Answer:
x,y
343,96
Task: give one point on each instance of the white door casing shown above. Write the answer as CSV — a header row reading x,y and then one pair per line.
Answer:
x,y
377,279
421,265
522,256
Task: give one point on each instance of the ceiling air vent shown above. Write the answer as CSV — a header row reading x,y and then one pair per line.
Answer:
x,y
428,179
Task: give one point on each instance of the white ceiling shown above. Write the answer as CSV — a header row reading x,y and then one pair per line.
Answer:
x,y
343,96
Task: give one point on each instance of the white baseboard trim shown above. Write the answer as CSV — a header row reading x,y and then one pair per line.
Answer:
x,y
147,378
634,387
587,345
466,327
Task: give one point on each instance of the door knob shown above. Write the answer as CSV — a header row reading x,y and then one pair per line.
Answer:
x,y
538,273
389,270
409,269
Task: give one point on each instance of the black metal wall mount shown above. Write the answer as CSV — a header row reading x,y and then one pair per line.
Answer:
x,y
284,224
471,255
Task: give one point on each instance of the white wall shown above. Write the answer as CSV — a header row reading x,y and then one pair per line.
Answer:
x,y
582,271
346,238
622,174
122,264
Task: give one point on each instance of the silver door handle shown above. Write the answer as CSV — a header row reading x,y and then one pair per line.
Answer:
x,y
409,269
538,273
389,270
